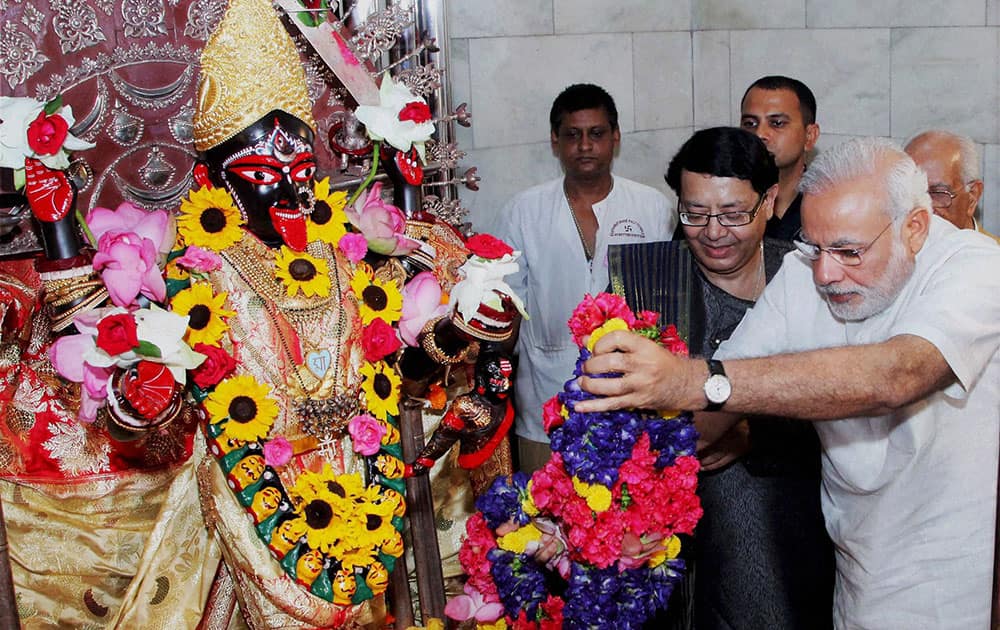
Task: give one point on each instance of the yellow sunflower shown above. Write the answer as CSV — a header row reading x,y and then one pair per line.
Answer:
x,y
326,504
328,220
376,520
205,312
209,219
320,511
376,297
300,271
246,405
381,389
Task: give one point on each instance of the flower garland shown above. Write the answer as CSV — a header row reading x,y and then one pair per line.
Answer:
x,y
619,488
334,534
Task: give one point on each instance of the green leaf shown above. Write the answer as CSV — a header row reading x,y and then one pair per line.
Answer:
x,y
54,105
147,349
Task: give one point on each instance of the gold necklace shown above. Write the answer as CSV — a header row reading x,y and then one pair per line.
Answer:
x,y
254,263
587,251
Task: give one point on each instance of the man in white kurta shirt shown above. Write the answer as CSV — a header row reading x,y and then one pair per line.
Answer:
x,y
885,326
564,227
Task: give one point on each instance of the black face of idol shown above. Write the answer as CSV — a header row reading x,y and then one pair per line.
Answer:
x,y
493,376
268,168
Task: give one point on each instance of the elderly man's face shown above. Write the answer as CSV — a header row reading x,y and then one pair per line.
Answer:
x,y
722,250
941,159
852,215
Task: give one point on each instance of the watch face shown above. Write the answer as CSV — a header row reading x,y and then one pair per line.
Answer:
x,y
717,389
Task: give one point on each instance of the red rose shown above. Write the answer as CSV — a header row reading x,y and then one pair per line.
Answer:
x,y
416,111
216,366
46,134
379,340
488,246
116,334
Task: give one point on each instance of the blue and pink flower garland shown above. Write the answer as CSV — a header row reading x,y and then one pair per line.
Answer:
x,y
619,488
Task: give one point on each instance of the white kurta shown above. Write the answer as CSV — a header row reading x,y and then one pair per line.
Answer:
x,y
909,498
555,275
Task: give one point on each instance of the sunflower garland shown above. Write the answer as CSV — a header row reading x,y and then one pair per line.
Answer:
x,y
205,313
327,222
377,297
302,272
209,219
335,536
244,405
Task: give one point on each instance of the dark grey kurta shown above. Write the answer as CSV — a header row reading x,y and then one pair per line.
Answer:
x,y
761,557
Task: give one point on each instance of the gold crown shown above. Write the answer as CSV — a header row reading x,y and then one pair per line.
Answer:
x,y
249,67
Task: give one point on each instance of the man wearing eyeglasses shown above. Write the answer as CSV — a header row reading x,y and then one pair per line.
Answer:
x,y
884,329
951,162
760,483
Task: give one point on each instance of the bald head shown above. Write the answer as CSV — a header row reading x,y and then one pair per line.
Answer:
x,y
951,162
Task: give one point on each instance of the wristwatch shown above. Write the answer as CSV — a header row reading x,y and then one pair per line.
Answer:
x,y
717,386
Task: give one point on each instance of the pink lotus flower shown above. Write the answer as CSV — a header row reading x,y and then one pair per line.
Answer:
x,y
474,605
382,224
66,355
130,241
366,433
127,264
156,225
421,302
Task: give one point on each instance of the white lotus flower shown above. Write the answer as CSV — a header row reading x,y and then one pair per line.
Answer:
x,y
383,121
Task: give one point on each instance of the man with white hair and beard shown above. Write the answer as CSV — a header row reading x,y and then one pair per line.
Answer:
x,y
884,328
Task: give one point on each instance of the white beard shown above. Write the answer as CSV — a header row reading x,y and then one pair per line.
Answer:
x,y
878,297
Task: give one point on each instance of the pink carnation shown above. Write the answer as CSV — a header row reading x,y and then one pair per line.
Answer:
x,y
354,246
479,540
592,312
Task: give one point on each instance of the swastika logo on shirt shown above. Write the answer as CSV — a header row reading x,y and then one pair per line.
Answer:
x,y
627,227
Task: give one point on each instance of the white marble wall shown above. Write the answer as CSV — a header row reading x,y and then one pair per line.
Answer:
x,y
888,68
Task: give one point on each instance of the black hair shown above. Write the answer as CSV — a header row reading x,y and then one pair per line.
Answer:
x,y
724,152
582,96
807,102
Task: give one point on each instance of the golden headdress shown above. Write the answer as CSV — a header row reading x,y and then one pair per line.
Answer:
x,y
249,67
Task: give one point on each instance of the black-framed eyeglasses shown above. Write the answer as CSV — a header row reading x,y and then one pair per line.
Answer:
x,y
846,256
725,219
942,196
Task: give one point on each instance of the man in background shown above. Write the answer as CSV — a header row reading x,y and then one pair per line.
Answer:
x,y
564,228
781,111
951,162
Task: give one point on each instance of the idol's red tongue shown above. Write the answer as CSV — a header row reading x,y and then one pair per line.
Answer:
x,y
291,224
